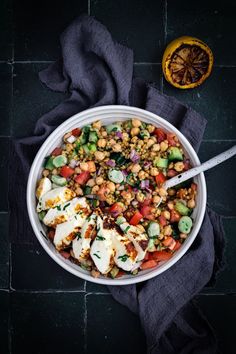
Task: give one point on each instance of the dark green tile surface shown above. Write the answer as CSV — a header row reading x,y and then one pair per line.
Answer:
x,y
31,99
6,33
220,312
112,327
4,158
38,25
47,323
4,253
211,21
34,269
4,316
5,98
221,180
96,288
215,100
226,279
136,24
148,72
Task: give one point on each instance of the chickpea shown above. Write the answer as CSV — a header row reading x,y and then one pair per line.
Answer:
x,y
101,143
164,146
150,128
154,171
166,214
171,191
45,173
162,192
140,227
153,154
179,166
140,196
136,168
54,171
191,203
95,273
150,142
97,125
79,191
77,170
136,123
160,236
182,235
69,147
66,136
99,180
84,166
156,199
125,136
171,165
156,147
170,205
99,155
91,182
167,231
111,186
142,175
95,189
134,139
104,134
134,131
117,148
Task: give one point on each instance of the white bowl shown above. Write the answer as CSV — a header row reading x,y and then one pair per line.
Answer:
x,y
109,114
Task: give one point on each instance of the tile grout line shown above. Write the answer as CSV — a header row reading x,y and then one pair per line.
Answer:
x,y
165,21
48,291
89,7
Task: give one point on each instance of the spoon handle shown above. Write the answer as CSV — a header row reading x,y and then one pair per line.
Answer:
x,y
201,168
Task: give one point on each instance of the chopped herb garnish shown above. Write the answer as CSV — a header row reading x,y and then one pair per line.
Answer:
x,y
95,254
89,218
153,237
58,207
100,238
78,235
126,229
123,258
66,206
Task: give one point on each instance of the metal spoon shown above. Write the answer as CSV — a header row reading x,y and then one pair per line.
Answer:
x,y
201,168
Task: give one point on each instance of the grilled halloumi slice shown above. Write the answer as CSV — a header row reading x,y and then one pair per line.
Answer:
x,y
81,244
54,198
65,211
138,238
44,186
101,250
65,233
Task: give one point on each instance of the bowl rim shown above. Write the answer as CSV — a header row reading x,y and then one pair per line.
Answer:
x,y
56,256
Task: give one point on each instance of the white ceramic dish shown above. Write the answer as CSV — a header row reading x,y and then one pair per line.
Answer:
x,y
109,114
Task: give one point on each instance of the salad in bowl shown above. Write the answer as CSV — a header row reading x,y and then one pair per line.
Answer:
x,y
100,196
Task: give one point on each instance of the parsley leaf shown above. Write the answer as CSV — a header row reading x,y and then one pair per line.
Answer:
x,y
95,254
123,258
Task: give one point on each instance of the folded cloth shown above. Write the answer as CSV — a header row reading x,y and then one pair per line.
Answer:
x,y
95,70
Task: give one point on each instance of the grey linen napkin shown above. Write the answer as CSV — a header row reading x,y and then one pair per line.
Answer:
x,y
96,70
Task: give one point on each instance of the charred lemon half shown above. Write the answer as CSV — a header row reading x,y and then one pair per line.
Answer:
x,y
187,62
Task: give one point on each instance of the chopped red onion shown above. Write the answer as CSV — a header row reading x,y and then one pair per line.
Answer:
x,y
134,157
119,135
147,164
91,196
73,163
135,190
71,139
121,188
144,184
99,171
125,173
134,203
111,163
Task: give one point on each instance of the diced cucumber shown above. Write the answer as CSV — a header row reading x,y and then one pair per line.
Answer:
x,y
59,161
160,162
82,139
175,154
118,157
49,163
151,245
92,147
42,215
129,179
185,224
93,137
124,226
78,144
86,149
115,176
60,181
144,134
114,127
120,220
87,190
181,208
153,229
114,272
